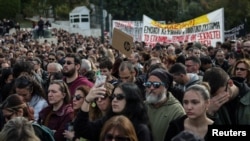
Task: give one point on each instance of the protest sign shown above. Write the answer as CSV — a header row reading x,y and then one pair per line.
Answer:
x,y
122,42
206,29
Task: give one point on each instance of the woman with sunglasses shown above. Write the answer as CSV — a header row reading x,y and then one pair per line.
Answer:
x,y
119,128
242,69
78,99
100,106
59,112
125,101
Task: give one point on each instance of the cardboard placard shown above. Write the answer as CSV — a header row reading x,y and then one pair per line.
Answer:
x,y
122,42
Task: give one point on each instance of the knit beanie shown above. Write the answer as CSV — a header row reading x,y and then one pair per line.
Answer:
x,y
164,76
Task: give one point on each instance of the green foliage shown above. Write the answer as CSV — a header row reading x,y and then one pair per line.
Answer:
x,y
167,10
63,11
9,8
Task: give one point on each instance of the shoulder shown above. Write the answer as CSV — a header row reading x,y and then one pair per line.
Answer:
x,y
83,80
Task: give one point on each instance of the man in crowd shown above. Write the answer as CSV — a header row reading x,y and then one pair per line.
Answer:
x,y
70,71
162,106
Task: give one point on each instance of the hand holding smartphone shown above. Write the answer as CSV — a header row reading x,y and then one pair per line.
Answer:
x,y
100,80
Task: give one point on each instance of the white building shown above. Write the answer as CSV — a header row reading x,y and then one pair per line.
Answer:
x,y
79,18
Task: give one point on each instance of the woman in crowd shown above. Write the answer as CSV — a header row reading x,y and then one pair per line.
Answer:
x,y
60,112
32,92
126,101
118,128
242,69
18,129
100,106
195,102
78,99
14,106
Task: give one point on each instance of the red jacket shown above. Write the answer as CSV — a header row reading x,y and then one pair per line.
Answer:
x,y
57,120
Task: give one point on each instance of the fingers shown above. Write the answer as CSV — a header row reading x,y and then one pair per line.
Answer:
x,y
221,98
96,93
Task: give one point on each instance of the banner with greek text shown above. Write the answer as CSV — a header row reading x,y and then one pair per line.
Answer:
x,y
235,32
133,28
206,29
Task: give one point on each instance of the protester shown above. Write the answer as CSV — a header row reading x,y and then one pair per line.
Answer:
x,y
32,92
195,102
160,101
18,129
126,101
59,112
118,128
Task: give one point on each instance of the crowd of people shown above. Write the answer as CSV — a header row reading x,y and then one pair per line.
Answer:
x,y
155,94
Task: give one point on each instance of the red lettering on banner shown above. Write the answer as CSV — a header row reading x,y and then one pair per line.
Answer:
x,y
155,38
146,37
193,38
186,38
209,35
178,38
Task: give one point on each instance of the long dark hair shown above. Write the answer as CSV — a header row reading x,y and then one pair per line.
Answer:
x,y
135,108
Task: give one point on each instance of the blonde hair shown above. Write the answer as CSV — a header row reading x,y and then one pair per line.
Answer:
x,y
18,129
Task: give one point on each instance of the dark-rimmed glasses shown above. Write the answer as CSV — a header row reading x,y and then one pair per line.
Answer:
x,y
51,59
77,97
241,69
103,98
117,96
67,62
110,137
154,84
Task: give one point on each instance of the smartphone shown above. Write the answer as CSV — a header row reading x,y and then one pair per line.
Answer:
x,y
100,80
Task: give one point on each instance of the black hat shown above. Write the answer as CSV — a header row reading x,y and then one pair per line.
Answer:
x,y
164,76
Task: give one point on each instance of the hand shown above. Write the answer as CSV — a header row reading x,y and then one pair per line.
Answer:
x,y
95,92
217,101
68,134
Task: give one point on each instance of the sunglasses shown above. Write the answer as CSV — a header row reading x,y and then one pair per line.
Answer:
x,y
52,59
241,69
67,62
103,98
77,97
154,84
110,137
117,96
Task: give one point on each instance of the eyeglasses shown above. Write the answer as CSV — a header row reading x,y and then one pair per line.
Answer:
x,y
117,96
154,84
104,97
127,77
77,97
52,59
67,62
110,137
241,69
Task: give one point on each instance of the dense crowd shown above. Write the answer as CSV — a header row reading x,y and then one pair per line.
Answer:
x,y
155,94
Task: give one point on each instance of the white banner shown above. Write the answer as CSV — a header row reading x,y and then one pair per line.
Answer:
x,y
133,28
206,29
